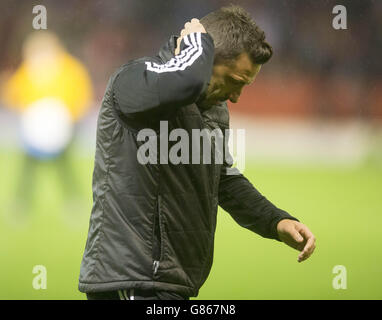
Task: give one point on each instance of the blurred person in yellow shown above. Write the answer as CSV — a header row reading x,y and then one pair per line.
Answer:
x,y
51,91
48,70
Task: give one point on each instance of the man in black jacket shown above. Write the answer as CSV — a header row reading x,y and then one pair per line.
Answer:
x,y
153,221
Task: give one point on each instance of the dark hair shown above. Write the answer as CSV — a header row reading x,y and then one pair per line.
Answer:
x,y
234,32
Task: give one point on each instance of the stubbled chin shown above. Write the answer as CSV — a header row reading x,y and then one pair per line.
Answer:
x,y
206,101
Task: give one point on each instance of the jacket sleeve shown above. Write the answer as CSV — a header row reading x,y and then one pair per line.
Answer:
x,y
149,84
247,206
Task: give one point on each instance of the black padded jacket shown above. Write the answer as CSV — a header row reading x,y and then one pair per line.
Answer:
x,y
152,225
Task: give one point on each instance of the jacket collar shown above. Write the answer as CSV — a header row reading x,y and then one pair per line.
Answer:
x,y
166,52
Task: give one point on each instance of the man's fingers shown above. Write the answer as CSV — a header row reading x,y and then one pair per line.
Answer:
x,y
308,249
310,246
305,232
297,236
194,26
310,243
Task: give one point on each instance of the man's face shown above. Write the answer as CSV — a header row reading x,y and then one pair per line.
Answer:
x,y
229,79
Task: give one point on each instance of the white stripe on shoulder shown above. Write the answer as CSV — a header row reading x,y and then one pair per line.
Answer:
x,y
184,59
184,55
176,63
178,60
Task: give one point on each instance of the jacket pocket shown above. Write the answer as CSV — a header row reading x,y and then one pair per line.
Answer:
x,y
157,237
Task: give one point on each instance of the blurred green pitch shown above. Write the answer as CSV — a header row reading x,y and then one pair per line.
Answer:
x,y
342,207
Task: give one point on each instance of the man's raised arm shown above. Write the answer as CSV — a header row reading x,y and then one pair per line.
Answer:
x,y
148,84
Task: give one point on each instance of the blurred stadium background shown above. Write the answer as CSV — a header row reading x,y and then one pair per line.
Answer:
x,y
313,123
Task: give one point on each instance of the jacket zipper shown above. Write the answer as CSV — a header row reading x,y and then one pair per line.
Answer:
x,y
155,266
158,237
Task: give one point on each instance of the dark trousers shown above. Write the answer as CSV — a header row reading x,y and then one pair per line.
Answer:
x,y
135,294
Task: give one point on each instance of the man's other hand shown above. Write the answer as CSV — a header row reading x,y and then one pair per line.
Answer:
x,y
193,26
297,236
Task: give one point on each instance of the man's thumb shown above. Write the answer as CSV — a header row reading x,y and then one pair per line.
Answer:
x,y
297,237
